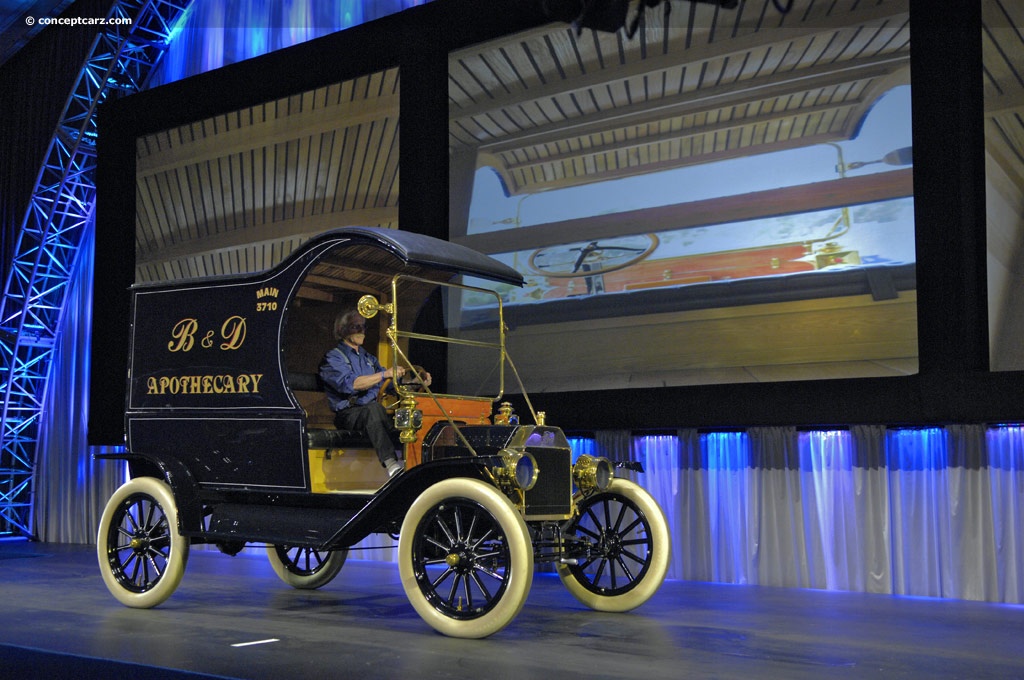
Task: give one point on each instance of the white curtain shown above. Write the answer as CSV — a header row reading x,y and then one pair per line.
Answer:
x,y
927,512
1005,447
731,525
871,552
71,488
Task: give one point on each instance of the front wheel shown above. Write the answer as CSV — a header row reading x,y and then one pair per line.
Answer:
x,y
627,551
465,558
305,568
142,556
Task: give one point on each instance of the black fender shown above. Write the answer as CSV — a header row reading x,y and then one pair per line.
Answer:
x,y
176,475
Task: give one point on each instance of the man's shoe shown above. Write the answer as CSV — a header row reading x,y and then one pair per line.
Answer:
x,y
394,468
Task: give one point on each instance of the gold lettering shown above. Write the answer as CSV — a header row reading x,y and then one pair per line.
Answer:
x,y
269,291
243,383
183,335
233,332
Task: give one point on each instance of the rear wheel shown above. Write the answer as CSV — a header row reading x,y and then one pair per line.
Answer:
x,y
627,556
305,568
141,554
465,558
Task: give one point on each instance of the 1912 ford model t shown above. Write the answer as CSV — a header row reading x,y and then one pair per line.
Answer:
x,y
230,442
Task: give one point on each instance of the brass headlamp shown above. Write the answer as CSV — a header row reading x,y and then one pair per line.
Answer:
x,y
517,470
592,473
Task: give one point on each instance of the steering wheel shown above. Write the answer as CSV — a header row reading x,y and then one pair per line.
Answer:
x,y
388,399
411,381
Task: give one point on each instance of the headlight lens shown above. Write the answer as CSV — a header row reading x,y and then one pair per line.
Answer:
x,y
526,471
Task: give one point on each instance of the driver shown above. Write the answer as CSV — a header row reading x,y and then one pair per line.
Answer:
x,y
352,379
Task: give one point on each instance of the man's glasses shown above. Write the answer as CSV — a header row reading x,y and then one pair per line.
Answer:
x,y
356,326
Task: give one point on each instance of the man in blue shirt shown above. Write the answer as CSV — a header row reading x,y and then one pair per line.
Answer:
x,y
352,379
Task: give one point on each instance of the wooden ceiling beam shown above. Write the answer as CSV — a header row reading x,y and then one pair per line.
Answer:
x,y
274,231
267,133
816,24
1011,102
688,133
741,92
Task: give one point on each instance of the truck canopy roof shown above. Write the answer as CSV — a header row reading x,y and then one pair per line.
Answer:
x,y
432,252
418,252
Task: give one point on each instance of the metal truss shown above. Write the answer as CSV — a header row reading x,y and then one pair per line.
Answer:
x,y
133,38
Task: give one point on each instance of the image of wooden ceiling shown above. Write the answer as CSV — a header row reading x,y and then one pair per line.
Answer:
x,y
553,108
1003,58
240,191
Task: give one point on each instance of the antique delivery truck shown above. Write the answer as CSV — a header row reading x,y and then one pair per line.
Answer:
x,y
230,442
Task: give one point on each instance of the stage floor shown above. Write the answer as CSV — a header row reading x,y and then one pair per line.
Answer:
x,y
57,620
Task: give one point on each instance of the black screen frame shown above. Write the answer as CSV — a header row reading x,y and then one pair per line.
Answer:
x,y
954,383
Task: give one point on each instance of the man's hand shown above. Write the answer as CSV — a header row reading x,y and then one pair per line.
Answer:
x,y
391,372
419,377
